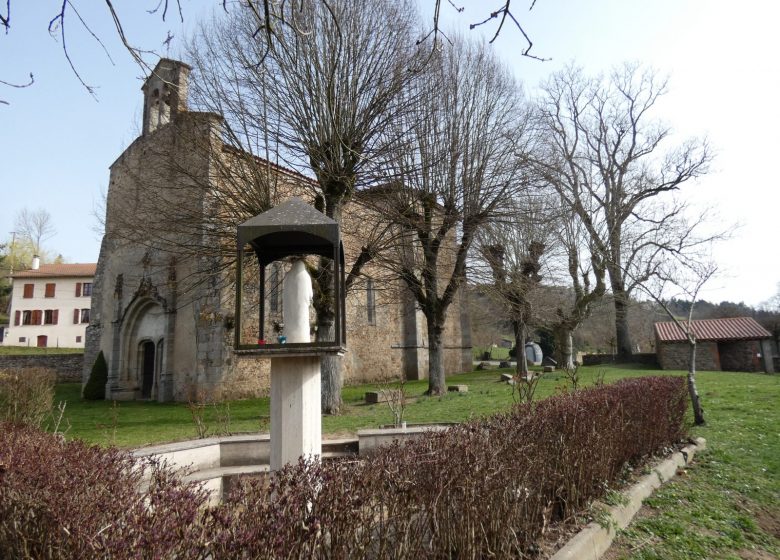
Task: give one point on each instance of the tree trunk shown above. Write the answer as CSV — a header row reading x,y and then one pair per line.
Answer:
x,y
698,413
330,365
565,347
522,361
437,383
324,304
622,332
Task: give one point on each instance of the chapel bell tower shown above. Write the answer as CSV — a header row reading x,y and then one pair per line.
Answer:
x,y
165,93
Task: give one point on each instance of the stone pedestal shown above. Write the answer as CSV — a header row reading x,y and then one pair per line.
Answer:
x,y
296,422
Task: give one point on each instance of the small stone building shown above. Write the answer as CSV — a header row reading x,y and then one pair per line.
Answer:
x,y
731,344
161,316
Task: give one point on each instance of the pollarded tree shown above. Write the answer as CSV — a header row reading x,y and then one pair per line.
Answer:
x,y
316,94
452,169
515,249
611,164
587,272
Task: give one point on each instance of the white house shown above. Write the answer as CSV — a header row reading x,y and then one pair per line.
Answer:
x,y
50,306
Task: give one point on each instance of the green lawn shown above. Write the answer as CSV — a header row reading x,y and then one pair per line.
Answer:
x,y
35,351
727,505
496,353
144,423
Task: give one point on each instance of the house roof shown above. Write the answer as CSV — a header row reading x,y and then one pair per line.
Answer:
x,y
51,270
733,328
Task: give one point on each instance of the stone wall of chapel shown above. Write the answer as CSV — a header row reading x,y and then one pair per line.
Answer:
x,y
166,166
140,179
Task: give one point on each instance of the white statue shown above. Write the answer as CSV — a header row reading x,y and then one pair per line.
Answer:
x,y
297,295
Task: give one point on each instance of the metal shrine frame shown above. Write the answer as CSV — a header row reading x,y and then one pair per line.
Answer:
x,y
293,228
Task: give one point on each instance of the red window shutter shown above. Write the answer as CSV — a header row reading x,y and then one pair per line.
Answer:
x,y
55,316
28,290
17,318
37,317
76,314
78,289
50,290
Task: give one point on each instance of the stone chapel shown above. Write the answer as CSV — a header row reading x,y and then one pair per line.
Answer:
x,y
164,327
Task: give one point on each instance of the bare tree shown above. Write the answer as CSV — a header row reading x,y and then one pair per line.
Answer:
x,y
678,277
35,226
514,249
452,169
773,303
586,271
318,99
267,19
609,162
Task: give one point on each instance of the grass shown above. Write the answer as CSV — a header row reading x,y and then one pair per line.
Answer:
x,y
35,351
496,352
727,505
143,423
724,506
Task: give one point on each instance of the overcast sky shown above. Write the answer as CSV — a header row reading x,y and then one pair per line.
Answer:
x,y
57,141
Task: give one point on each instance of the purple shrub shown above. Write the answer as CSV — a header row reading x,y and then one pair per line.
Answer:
x,y
71,500
487,488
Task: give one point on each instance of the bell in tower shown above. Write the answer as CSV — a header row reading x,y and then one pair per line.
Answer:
x,y
165,93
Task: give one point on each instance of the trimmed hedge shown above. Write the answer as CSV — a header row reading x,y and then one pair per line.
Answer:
x,y
486,488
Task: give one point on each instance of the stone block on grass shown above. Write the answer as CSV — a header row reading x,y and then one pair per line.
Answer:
x,y
387,395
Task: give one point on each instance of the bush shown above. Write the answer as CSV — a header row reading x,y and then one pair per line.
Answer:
x,y
69,500
26,395
486,488
95,389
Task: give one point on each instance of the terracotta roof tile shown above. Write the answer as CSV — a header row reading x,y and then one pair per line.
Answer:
x,y
50,270
734,328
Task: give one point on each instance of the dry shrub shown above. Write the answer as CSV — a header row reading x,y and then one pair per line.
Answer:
x,y
70,500
486,488
26,395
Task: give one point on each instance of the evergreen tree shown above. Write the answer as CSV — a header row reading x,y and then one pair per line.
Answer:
x,y
95,389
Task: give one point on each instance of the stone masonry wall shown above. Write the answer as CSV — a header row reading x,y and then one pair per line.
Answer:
x,y
740,355
676,355
67,366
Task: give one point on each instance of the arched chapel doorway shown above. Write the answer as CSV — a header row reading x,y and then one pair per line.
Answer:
x,y
143,361
148,368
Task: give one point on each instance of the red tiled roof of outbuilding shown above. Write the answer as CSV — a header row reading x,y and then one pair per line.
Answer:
x,y
733,328
62,269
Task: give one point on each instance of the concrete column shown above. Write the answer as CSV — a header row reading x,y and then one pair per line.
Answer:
x,y
296,422
767,355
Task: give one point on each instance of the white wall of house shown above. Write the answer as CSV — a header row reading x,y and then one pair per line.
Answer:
x,y
33,318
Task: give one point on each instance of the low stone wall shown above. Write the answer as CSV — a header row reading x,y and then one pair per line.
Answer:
x,y
372,439
67,366
217,462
